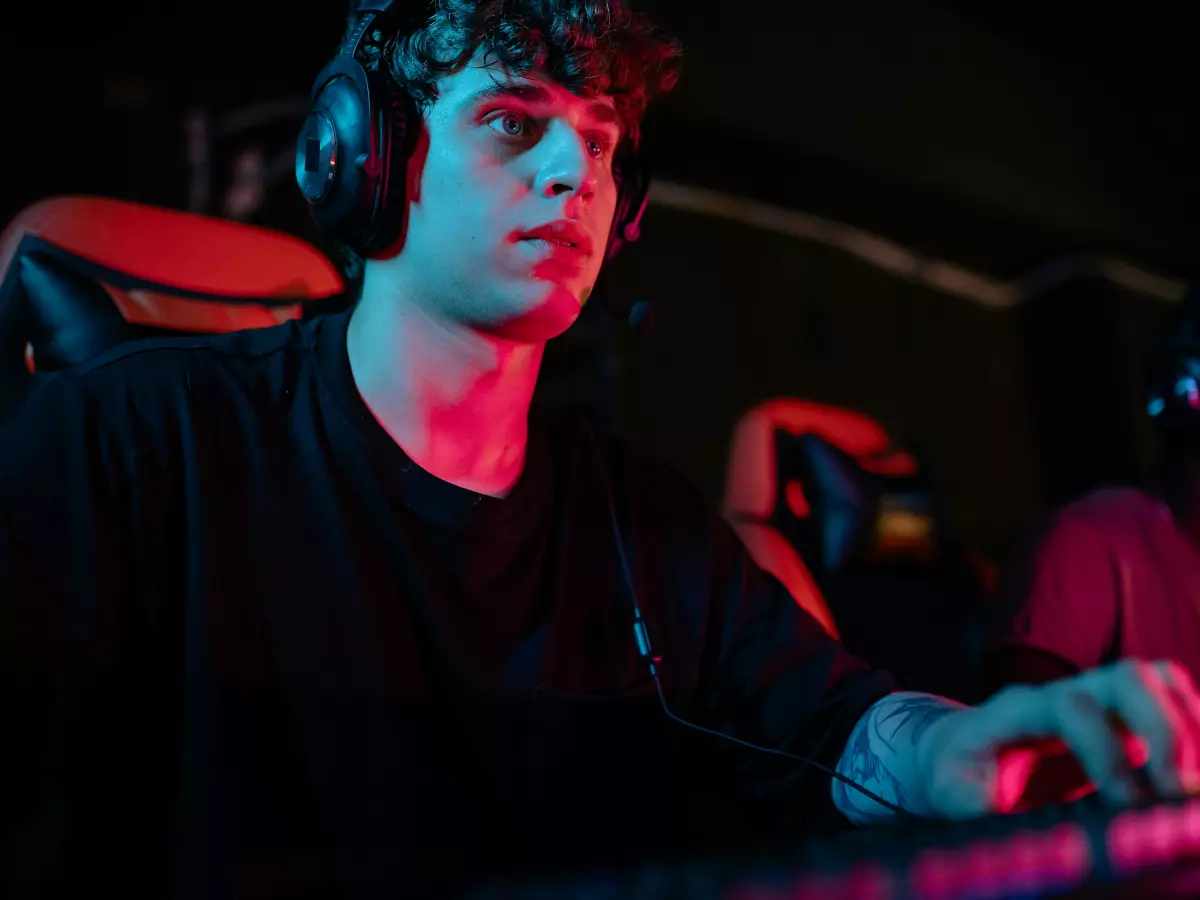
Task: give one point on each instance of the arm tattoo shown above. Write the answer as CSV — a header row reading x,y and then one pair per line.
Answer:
x,y
881,756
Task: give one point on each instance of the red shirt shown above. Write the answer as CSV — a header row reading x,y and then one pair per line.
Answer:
x,y
1110,577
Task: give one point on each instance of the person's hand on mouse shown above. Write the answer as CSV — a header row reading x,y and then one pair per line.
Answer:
x,y
1122,729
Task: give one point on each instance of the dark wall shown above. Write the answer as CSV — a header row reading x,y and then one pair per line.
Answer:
x,y
1064,116
746,315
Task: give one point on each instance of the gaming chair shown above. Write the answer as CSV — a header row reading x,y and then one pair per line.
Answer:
x,y
79,275
852,526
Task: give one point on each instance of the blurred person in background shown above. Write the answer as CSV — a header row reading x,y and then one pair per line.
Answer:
x,y
1116,574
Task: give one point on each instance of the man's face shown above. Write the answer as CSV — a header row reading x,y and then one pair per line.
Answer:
x,y
511,196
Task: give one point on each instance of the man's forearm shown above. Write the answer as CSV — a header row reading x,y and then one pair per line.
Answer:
x,y
881,755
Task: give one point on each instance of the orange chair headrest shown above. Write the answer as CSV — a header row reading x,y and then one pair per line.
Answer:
x,y
178,270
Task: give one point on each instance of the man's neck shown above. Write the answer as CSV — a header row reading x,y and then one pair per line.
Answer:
x,y
454,399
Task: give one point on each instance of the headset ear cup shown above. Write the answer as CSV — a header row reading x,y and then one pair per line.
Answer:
x,y
351,156
397,123
334,141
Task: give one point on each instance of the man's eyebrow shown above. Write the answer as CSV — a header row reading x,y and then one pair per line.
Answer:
x,y
531,92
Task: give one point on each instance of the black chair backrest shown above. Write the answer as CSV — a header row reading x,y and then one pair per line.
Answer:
x,y
904,595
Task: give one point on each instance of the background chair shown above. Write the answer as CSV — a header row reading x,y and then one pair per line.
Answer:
x,y
79,275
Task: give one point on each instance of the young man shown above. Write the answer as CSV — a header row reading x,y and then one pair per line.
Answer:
x,y
1114,575
323,610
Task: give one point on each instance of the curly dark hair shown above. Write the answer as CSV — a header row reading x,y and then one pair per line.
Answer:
x,y
590,47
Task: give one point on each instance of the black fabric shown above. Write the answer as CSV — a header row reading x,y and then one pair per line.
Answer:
x,y
249,649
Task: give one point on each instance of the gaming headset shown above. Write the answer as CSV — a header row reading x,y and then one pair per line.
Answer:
x,y
1173,376
360,129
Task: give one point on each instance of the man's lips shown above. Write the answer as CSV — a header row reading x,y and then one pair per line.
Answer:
x,y
563,237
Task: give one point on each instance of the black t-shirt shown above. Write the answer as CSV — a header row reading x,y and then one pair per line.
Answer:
x,y
248,648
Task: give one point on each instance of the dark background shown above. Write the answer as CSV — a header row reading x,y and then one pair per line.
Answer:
x,y
1039,148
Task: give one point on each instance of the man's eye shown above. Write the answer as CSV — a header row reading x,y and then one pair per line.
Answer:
x,y
509,124
598,147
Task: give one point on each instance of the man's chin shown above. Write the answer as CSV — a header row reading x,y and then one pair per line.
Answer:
x,y
555,313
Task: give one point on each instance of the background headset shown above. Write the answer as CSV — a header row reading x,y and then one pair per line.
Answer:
x,y
353,147
350,165
1173,374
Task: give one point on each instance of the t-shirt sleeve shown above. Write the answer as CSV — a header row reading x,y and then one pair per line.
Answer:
x,y
775,678
1059,595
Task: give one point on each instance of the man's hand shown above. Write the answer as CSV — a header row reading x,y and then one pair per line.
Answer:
x,y
1029,746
